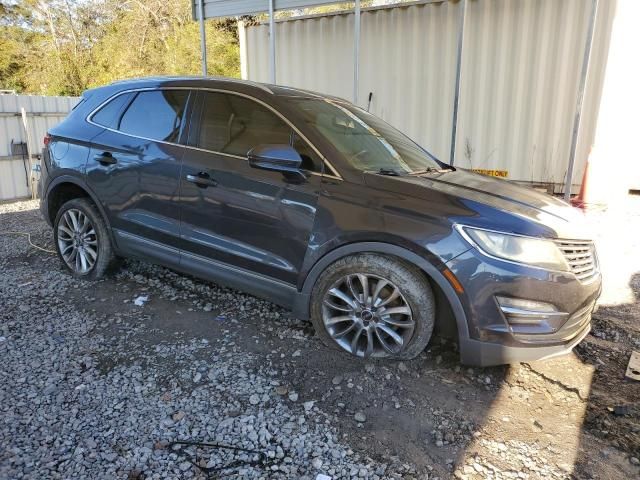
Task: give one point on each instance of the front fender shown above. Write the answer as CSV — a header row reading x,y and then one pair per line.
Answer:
x,y
302,307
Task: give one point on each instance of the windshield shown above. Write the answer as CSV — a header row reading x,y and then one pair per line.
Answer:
x,y
367,142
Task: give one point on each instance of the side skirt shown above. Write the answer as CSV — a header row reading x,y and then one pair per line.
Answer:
x,y
275,291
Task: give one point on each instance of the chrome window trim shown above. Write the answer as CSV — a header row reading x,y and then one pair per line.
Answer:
x,y
89,118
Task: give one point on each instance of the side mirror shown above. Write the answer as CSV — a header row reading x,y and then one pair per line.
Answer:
x,y
278,158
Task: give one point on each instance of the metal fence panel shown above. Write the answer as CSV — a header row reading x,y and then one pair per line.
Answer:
x,y
519,75
42,113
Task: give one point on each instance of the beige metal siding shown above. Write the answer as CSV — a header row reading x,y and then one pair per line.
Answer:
x,y
519,75
519,86
315,53
42,114
408,62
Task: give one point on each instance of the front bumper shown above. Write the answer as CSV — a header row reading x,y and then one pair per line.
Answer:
x,y
491,338
485,354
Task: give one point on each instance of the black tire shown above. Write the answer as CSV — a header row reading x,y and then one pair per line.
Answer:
x,y
105,257
412,285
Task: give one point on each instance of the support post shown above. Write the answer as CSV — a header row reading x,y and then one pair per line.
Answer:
x,y
272,44
203,38
578,116
27,133
244,58
456,97
356,51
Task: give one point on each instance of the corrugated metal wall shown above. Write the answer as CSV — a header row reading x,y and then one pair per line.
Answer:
x,y
519,75
519,86
42,114
316,53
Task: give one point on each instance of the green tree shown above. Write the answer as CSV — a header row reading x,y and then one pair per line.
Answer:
x,y
16,40
62,47
162,38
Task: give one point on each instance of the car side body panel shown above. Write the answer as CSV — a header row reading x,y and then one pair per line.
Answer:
x,y
138,190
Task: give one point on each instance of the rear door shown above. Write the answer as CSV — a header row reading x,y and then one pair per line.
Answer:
x,y
134,168
253,220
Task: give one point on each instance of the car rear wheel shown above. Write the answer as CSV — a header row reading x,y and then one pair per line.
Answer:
x,y
370,305
82,240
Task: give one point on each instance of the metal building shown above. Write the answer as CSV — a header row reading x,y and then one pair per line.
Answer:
x,y
511,88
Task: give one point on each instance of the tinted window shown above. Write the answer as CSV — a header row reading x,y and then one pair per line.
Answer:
x,y
367,142
155,114
109,113
310,160
233,124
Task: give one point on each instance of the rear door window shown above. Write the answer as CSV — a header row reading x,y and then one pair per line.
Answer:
x,y
156,115
109,114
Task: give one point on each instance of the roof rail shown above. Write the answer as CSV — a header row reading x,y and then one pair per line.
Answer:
x,y
261,86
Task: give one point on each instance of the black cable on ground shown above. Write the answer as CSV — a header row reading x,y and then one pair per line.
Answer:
x,y
212,472
28,235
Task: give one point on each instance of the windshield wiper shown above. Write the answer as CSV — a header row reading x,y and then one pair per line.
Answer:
x,y
430,170
387,171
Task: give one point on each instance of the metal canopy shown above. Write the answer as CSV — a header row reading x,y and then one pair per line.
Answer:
x,y
232,8
205,9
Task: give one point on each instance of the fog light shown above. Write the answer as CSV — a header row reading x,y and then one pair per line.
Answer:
x,y
531,316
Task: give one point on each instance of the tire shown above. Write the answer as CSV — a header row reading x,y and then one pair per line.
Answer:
x,y
338,319
94,242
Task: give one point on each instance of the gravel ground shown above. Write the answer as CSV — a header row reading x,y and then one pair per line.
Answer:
x,y
95,386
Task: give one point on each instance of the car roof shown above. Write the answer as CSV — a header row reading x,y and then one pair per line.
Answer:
x,y
226,82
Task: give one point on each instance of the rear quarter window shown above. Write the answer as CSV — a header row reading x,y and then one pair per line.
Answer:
x,y
109,114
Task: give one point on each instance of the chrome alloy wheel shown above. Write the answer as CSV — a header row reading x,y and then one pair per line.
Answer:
x,y
77,241
367,316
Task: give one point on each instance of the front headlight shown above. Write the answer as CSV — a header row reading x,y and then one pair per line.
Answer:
x,y
538,252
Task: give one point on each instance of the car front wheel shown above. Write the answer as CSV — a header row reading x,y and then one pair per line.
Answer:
x,y
370,305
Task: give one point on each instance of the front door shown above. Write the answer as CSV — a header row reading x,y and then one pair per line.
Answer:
x,y
134,168
252,220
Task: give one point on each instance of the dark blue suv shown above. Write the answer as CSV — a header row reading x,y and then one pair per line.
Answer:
x,y
319,206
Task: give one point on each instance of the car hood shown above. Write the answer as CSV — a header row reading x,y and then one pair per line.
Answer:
x,y
489,201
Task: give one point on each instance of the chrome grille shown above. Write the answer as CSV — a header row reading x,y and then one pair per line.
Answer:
x,y
580,256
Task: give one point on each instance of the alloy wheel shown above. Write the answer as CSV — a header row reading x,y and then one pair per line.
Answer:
x,y
77,241
367,316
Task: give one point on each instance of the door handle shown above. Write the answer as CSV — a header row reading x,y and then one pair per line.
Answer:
x,y
106,158
202,180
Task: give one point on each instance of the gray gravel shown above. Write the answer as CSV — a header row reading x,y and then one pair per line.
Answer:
x,y
86,393
95,386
